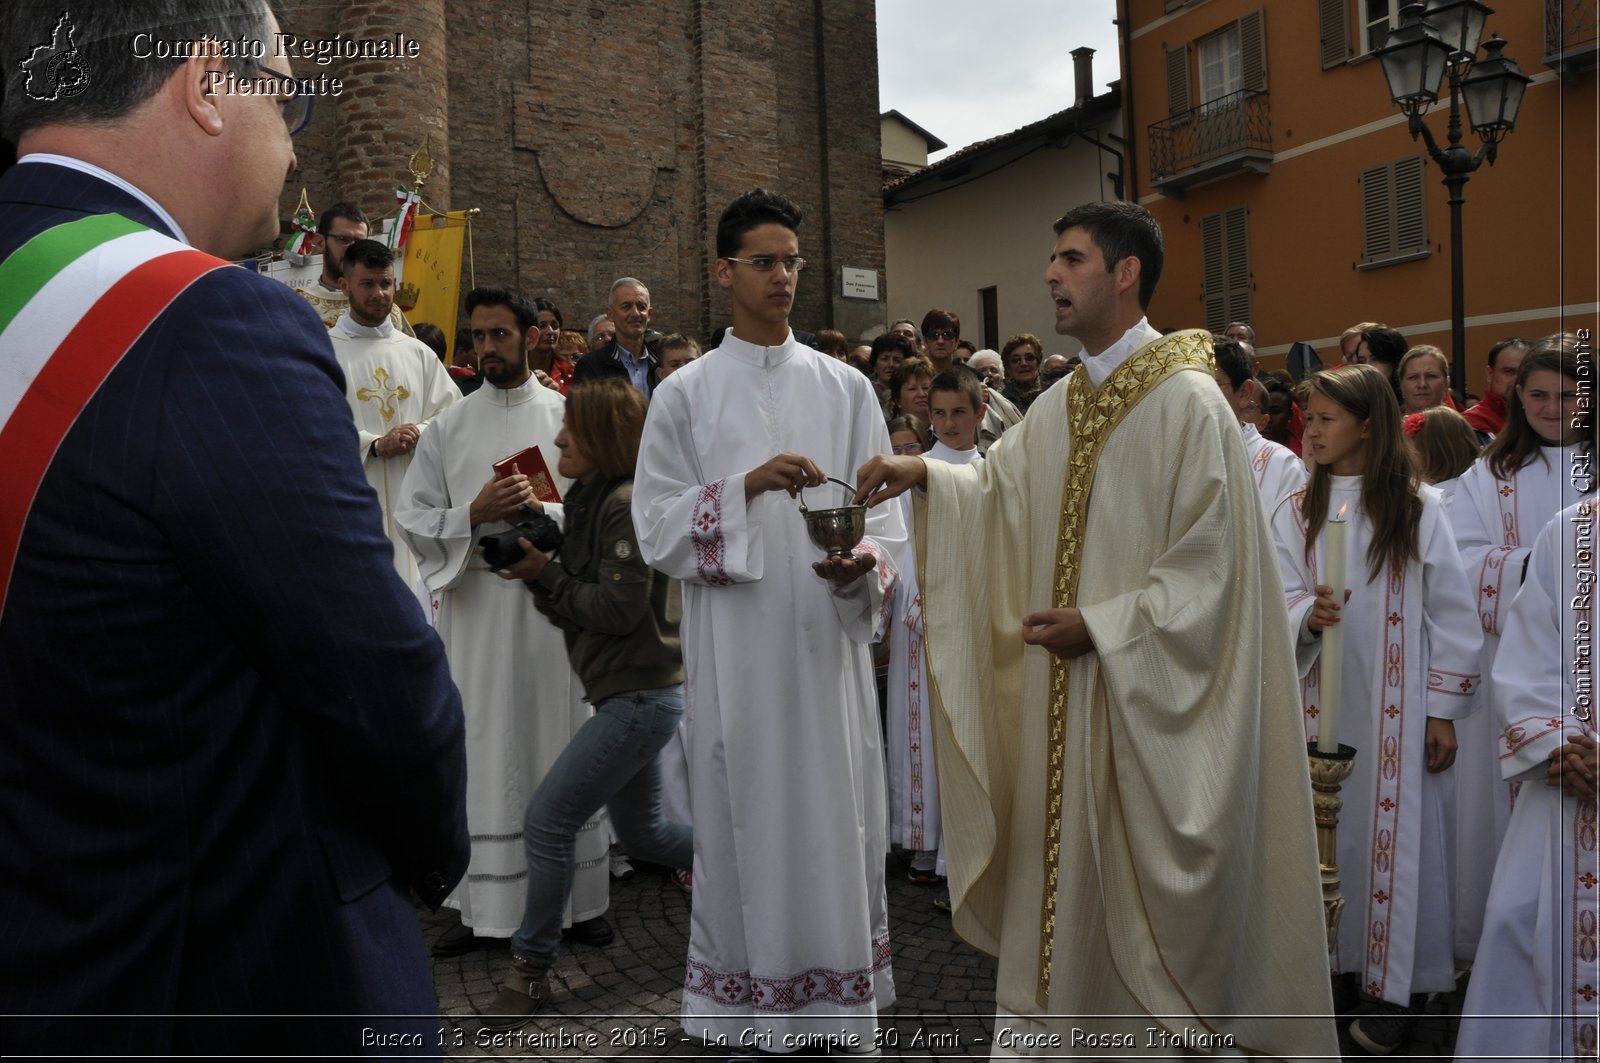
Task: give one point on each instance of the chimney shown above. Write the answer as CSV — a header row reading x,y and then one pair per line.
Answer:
x,y
1083,74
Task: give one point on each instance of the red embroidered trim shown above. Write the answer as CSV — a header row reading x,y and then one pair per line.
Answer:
x,y
1516,735
1489,576
819,985
1390,777
1584,863
886,574
705,529
1453,683
1585,936
914,727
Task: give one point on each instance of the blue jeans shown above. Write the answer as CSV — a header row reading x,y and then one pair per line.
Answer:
x,y
611,761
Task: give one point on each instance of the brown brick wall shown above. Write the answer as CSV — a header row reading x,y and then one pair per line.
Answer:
x,y
603,139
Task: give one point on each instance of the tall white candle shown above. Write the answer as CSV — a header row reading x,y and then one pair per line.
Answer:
x,y
1334,551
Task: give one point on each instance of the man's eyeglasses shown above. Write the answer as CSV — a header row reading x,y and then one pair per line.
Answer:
x,y
943,334
768,263
295,96
341,239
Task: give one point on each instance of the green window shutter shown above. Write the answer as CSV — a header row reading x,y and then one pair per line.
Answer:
x,y
1178,80
1377,213
1410,210
1333,21
1213,272
1253,50
1225,267
1236,234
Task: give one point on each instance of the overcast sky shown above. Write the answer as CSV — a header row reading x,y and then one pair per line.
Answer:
x,y
968,70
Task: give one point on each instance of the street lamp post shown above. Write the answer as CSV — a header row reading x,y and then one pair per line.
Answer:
x,y
1432,42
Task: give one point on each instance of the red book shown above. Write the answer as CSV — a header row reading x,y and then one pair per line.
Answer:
x,y
530,463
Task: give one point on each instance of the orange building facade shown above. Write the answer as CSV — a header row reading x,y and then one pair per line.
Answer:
x,y
1292,195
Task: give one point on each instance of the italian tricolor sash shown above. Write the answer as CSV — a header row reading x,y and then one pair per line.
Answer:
x,y
73,301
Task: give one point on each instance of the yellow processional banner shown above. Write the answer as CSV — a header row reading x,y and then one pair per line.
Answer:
x,y
432,265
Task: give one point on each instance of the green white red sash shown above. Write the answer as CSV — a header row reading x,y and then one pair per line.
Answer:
x,y
73,301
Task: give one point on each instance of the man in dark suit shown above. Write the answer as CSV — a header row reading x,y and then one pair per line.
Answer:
x,y
230,750
628,356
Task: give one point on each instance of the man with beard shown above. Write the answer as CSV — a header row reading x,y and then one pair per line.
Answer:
x,y
395,385
340,226
510,663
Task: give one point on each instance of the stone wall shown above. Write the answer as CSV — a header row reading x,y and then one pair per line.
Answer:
x,y
604,139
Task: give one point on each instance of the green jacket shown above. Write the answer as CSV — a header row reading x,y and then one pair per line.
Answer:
x,y
620,617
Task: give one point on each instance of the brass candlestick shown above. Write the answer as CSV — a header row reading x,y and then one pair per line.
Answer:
x,y
1328,772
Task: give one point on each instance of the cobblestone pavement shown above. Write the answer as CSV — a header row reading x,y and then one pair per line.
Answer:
x,y
621,1001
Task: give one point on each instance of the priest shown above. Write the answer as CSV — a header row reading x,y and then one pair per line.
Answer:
x,y
394,383
510,663
1122,768
340,226
789,934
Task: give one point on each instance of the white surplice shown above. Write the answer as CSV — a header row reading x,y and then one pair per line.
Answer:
x,y
1410,652
913,776
789,934
1495,522
390,379
1532,994
1279,472
521,700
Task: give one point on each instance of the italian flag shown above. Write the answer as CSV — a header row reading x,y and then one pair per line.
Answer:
x,y
73,301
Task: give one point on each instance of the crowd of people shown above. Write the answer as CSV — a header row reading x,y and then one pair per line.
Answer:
x,y
1378,440
560,594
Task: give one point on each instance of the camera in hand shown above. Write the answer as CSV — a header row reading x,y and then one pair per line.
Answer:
x,y
502,550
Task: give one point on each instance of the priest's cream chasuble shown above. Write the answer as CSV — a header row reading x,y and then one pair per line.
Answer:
x,y
390,379
1129,832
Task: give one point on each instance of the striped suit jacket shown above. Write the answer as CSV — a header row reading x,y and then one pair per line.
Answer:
x,y
230,747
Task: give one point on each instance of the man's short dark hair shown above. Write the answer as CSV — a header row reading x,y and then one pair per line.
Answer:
x,y
1121,230
1511,341
343,209
1232,360
112,75
963,379
752,210
510,298
967,345
891,341
936,319
1386,345
369,253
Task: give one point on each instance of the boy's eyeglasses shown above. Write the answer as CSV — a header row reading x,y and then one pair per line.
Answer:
x,y
768,263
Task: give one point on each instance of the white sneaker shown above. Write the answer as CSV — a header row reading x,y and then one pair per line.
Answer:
x,y
621,867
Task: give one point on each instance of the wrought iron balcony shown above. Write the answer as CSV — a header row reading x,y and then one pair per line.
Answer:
x,y
1571,35
1231,134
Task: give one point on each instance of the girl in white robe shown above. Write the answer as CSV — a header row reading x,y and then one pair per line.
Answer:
x,y
1534,468
1532,994
1408,671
